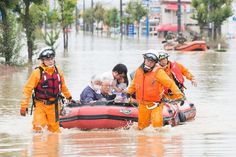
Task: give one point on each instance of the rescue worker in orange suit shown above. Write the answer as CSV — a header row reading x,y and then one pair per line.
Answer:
x,y
47,82
148,84
176,72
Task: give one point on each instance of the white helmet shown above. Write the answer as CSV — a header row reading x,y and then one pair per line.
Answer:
x,y
162,54
151,54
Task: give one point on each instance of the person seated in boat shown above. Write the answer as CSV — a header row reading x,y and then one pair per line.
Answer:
x,y
106,90
122,83
92,92
196,37
175,71
118,72
180,39
170,38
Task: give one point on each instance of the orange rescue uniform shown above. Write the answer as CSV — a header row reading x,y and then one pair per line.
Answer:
x,y
149,88
178,71
44,114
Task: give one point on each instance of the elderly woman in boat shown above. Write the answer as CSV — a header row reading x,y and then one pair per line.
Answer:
x,y
97,90
92,92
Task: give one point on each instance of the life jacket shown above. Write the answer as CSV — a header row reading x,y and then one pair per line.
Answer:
x,y
147,87
177,75
49,86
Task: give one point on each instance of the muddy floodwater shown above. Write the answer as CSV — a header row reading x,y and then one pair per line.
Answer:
x,y
212,133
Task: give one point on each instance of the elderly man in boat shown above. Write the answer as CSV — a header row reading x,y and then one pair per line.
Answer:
x,y
102,90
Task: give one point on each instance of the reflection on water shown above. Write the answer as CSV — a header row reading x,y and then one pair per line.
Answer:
x,y
45,146
212,133
118,143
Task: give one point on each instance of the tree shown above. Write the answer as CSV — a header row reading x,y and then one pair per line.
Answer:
x,y
30,18
99,13
201,13
215,11
111,18
137,11
88,18
50,35
67,8
114,18
9,45
220,11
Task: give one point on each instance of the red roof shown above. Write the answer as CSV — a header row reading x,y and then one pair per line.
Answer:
x,y
168,27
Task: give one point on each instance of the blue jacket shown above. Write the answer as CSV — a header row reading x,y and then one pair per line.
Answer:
x,y
88,94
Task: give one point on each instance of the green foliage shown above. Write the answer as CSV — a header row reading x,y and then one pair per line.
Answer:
x,y
99,12
111,17
67,11
201,15
31,17
136,10
10,4
88,16
10,44
220,11
51,19
9,36
34,20
50,15
50,38
128,20
67,17
215,11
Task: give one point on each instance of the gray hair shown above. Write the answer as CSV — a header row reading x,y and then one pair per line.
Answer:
x,y
107,80
96,78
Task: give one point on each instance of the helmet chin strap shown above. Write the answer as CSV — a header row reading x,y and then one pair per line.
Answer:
x,y
147,68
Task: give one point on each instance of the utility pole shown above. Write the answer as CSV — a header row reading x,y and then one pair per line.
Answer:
x,y
76,17
92,17
147,20
121,18
83,16
45,18
179,16
210,24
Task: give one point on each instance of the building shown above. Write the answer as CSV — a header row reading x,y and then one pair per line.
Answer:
x,y
163,16
228,27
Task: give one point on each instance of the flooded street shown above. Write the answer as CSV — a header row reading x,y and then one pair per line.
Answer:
x,y
212,133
